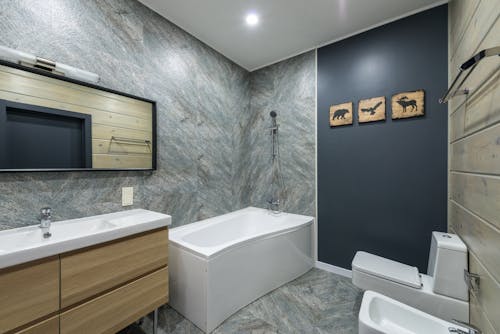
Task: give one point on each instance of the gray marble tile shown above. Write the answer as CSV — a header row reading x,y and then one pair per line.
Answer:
x,y
246,325
288,88
315,299
170,322
85,26
25,23
133,49
318,302
213,147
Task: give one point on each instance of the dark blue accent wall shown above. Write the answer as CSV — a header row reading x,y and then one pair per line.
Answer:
x,y
382,186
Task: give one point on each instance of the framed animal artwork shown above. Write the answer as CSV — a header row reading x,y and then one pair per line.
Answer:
x,y
408,104
371,110
341,114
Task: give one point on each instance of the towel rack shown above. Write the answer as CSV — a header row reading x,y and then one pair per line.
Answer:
x,y
131,140
469,64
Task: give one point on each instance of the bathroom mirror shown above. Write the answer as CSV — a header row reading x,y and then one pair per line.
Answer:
x,y
53,123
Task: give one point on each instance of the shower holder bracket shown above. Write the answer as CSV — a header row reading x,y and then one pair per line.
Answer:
x,y
465,91
472,281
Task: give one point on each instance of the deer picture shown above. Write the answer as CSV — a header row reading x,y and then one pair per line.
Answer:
x,y
404,102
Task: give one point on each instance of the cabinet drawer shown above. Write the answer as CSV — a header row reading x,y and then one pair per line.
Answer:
x,y
28,292
115,310
49,326
89,272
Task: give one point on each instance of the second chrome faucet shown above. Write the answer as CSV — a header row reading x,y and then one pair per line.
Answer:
x,y
45,221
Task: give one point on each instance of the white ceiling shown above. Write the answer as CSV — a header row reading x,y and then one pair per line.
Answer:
x,y
286,27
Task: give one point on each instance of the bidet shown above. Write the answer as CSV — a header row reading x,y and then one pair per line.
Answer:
x,y
380,314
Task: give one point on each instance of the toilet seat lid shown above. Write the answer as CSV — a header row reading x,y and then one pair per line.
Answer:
x,y
387,269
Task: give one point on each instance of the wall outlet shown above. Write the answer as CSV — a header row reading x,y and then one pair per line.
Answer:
x,y
127,196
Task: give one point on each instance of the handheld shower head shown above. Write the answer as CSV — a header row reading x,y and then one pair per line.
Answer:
x,y
273,114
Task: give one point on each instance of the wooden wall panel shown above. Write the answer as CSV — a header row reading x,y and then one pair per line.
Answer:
x,y
102,146
479,153
478,193
480,236
474,153
475,29
51,90
477,316
474,45
102,131
459,21
98,116
121,161
112,115
479,111
144,106
487,297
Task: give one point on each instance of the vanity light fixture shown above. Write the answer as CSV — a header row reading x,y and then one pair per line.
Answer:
x,y
30,60
252,19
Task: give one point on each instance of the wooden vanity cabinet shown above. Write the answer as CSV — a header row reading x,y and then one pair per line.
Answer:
x,y
48,326
118,283
88,272
113,311
99,289
28,292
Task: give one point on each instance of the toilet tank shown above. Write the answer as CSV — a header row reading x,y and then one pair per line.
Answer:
x,y
447,262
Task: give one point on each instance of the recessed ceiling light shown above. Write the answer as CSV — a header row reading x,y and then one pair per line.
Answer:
x,y
252,19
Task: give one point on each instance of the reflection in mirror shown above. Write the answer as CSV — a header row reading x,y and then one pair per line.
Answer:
x,y
53,123
34,137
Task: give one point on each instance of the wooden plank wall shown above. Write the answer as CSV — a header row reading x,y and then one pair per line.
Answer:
x,y
112,115
474,152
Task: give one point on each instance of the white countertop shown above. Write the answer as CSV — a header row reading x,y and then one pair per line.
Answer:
x,y
26,244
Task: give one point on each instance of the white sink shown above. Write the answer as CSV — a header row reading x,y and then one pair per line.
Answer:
x,y
90,226
27,243
380,314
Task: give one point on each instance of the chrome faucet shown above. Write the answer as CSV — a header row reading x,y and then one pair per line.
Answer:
x,y
471,329
274,205
45,220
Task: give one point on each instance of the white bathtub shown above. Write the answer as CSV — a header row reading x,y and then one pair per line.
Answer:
x,y
221,264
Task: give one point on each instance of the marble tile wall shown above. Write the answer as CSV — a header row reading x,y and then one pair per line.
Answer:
x,y
200,95
289,88
318,302
213,149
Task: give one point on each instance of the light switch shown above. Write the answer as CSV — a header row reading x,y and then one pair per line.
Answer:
x,y
127,196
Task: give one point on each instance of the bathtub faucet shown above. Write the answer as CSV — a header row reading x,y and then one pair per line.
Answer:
x,y
274,205
471,329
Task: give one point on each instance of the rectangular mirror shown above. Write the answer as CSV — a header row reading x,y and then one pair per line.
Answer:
x,y
52,123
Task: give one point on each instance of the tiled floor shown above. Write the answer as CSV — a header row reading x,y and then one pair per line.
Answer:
x,y
318,302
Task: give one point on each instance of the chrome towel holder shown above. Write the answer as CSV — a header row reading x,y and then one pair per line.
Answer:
x,y
131,140
468,65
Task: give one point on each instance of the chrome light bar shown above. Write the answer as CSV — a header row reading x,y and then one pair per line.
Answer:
x,y
26,59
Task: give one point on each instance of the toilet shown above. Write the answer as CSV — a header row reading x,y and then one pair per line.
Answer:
x,y
441,292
